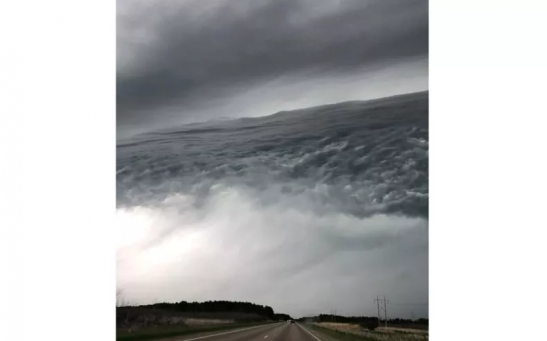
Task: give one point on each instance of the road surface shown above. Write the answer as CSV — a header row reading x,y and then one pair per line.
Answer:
x,y
283,331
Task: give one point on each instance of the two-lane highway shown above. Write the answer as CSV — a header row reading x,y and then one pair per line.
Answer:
x,y
283,331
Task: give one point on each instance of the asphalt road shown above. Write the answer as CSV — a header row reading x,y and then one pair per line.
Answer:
x,y
283,331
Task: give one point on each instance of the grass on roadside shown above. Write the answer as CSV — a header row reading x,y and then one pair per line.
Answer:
x,y
151,334
340,335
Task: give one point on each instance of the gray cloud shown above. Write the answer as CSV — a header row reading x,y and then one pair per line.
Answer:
x,y
305,217
309,211
288,258
181,55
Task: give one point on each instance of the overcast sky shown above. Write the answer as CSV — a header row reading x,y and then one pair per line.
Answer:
x,y
182,61
284,255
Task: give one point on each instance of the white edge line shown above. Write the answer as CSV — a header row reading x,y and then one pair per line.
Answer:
x,y
228,332
315,337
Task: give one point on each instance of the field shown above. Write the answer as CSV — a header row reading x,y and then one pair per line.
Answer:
x,y
163,332
382,333
139,324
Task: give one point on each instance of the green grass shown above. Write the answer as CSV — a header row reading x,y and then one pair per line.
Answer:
x,y
340,335
158,333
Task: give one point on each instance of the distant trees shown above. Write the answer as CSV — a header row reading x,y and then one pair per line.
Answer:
x,y
132,316
422,321
372,322
282,317
122,316
215,306
347,319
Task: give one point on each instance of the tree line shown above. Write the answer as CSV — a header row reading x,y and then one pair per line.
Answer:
x,y
369,320
218,306
282,317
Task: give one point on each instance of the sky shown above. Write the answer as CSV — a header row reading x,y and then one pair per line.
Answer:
x,y
185,61
285,255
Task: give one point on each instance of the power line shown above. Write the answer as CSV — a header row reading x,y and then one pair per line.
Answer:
x,y
333,315
377,300
384,308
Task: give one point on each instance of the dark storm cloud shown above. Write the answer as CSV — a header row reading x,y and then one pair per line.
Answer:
x,y
186,53
322,208
312,209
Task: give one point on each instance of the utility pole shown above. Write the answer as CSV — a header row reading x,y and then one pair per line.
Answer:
x,y
385,310
378,300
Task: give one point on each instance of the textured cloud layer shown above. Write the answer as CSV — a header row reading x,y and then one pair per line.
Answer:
x,y
304,211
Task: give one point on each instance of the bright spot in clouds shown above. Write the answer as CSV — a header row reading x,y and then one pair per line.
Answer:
x,y
132,226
